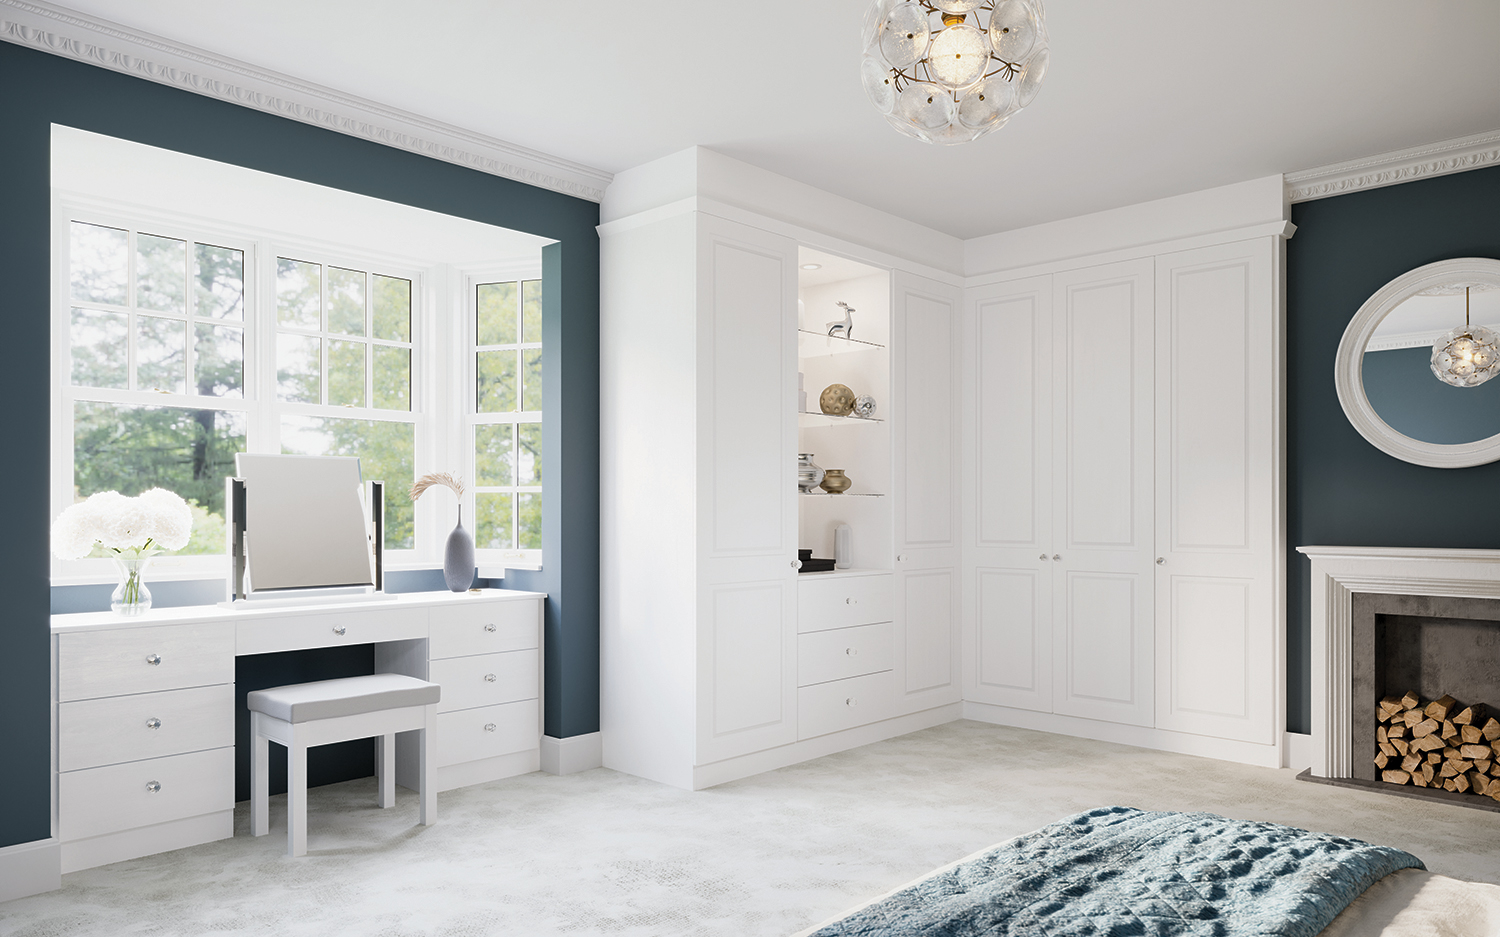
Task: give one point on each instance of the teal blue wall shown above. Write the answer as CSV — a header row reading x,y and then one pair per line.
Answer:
x,y
1340,489
37,90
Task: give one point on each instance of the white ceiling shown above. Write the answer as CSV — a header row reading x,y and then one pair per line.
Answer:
x,y
1142,100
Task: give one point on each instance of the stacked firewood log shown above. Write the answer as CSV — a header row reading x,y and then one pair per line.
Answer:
x,y
1438,744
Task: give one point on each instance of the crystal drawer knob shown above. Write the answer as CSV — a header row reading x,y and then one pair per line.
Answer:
x,y
1056,556
153,659
1161,561
340,630
489,628
851,702
153,723
489,678
851,601
153,787
1042,557
852,651
489,727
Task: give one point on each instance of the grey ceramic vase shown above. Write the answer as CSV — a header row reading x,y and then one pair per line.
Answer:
x,y
458,557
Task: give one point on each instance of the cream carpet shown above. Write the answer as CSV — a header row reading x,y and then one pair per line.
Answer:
x,y
606,853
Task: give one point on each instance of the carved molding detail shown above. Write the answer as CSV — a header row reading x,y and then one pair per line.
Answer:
x,y
1434,159
97,42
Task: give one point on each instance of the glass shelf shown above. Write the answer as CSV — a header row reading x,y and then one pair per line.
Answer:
x,y
847,494
814,344
812,418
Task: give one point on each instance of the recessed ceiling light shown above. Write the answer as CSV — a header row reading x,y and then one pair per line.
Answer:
x,y
812,266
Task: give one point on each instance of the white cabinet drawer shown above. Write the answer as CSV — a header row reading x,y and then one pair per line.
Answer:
x,y
330,629
844,652
91,664
487,628
472,734
96,801
486,679
844,704
840,603
149,725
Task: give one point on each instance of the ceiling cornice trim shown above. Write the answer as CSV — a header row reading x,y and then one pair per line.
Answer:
x,y
1373,172
108,45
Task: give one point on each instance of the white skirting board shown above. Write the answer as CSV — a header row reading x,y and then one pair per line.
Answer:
x,y
1299,751
30,869
573,754
1265,756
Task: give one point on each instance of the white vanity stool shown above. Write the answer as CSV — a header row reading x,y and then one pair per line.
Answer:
x,y
303,715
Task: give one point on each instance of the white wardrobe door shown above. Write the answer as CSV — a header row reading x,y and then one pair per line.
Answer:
x,y
1216,621
747,530
1007,610
1102,360
925,391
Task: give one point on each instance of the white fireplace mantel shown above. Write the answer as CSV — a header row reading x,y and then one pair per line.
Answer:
x,y
1338,573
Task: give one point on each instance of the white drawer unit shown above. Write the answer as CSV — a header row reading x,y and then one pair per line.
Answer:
x,y
464,630
844,652
108,731
93,664
844,704
486,679
330,629
97,801
841,602
472,734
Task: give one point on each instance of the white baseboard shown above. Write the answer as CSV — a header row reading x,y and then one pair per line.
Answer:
x,y
487,769
573,754
732,769
1298,751
30,869
1249,753
146,841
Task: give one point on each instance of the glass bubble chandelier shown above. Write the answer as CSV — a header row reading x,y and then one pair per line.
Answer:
x,y
1468,355
949,71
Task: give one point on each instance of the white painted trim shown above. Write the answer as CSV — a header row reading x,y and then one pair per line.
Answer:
x,y
1249,753
146,840
30,869
732,769
1406,340
1348,366
1373,172
573,754
1338,573
1297,751
50,28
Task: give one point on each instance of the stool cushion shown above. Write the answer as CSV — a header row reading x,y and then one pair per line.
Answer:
x,y
348,696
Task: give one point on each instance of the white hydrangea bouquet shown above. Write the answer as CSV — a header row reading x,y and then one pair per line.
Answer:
x,y
130,530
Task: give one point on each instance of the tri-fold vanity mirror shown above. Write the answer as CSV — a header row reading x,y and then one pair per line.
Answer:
x,y
1414,368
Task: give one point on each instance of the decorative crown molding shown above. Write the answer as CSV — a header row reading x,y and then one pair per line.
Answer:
x,y
99,42
1418,162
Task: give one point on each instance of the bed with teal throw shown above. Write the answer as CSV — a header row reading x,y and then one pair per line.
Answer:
x,y
1122,872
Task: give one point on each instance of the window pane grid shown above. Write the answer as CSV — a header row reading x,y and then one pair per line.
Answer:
x,y
507,417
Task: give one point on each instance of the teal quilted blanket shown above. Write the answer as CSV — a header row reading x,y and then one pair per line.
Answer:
x,y
1122,872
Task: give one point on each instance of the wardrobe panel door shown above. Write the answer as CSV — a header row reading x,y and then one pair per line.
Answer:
x,y
1007,523
1103,579
748,700
925,334
1216,503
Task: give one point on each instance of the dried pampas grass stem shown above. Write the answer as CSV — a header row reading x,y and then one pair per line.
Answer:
x,y
445,479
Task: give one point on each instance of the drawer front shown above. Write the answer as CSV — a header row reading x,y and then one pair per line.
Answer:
x,y
485,680
823,604
150,725
472,734
844,652
96,801
92,664
844,704
487,628
330,629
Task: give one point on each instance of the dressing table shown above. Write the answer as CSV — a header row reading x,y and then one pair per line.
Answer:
x,y
143,707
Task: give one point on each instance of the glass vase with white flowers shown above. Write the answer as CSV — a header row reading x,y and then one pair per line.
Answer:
x,y
128,530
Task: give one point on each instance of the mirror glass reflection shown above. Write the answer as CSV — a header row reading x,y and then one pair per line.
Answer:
x,y
1398,373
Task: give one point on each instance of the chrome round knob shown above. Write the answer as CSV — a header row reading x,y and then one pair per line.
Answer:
x,y
901,557
153,723
851,701
851,601
796,564
153,787
340,630
490,628
153,659
489,678
489,727
852,651
1161,561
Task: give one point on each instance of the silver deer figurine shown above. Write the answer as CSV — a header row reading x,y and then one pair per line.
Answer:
x,y
843,329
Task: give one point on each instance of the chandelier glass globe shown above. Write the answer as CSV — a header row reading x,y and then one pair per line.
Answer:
x,y
1468,355
949,71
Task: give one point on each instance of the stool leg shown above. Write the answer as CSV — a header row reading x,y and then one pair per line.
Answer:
x,y
428,769
296,797
260,786
385,768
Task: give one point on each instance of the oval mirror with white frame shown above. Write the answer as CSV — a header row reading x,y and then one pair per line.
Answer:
x,y
1413,369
